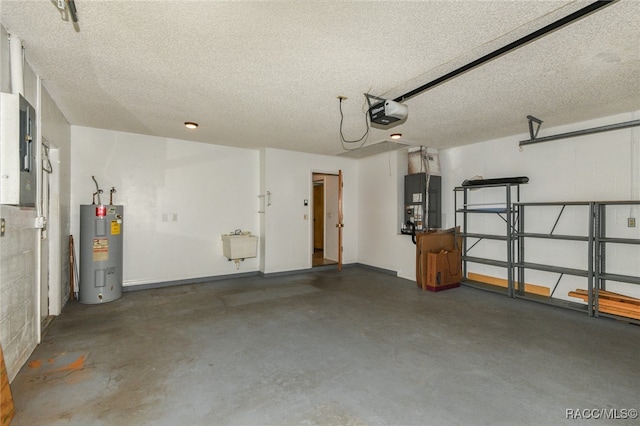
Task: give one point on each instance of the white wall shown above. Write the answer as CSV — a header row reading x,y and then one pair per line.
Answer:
x,y
19,286
212,190
19,311
600,167
178,197
56,130
604,166
381,198
287,234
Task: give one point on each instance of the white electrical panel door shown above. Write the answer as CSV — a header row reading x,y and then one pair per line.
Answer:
x,y
9,149
17,151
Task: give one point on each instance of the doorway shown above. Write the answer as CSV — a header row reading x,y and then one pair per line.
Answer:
x,y
51,256
56,241
325,220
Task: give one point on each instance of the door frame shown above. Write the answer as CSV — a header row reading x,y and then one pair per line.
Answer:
x,y
340,224
54,234
318,240
340,217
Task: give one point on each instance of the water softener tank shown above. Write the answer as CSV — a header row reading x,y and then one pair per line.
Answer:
x,y
101,230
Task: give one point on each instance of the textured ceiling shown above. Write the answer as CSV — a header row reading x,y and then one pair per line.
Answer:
x,y
268,73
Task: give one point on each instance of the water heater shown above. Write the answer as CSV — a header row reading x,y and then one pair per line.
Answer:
x,y
101,229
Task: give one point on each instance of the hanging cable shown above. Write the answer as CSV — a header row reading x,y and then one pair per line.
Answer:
x,y
363,138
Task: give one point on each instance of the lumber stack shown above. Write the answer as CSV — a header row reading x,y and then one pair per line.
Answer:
x,y
612,303
7,410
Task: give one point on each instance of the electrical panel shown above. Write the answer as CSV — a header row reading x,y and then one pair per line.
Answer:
x,y
434,214
17,151
415,202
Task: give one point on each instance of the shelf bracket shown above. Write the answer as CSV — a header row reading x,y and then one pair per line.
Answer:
x,y
557,220
556,286
534,139
533,133
473,245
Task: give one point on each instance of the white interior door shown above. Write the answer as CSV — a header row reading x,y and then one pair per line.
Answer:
x,y
331,218
56,243
44,246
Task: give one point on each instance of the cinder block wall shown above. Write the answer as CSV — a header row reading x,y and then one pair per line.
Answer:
x,y
18,309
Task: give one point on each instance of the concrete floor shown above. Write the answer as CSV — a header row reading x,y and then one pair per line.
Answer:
x,y
358,347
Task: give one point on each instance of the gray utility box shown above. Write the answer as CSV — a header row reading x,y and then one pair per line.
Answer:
x,y
415,188
101,229
17,151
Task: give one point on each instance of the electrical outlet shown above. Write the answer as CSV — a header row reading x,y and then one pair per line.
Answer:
x,y
631,222
2,227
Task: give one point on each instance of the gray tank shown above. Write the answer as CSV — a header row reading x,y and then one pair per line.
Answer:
x,y
101,229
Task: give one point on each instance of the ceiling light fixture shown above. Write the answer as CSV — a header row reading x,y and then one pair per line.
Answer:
x,y
396,135
190,125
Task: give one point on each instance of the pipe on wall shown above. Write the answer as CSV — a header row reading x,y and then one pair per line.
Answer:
x,y
15,58
39,210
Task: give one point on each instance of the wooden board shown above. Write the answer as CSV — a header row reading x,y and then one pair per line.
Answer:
x,y
612,303
611,296
7,410
500,282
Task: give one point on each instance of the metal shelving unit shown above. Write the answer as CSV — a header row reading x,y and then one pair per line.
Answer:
x,y
521,265
600,248
513,212
505,211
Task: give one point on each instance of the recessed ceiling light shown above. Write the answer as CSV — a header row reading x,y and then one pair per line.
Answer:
x,y
396,135
190,125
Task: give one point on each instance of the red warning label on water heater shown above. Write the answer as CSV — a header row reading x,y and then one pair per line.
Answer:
x,y
100,249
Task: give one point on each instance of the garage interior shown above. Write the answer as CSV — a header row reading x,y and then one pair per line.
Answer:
x,y
261,188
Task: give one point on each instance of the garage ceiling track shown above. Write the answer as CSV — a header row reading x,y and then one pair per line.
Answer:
x,y
508,48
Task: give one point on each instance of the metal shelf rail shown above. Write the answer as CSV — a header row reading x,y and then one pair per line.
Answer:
x,y
601,240
505,211
521,265
512,211
595,238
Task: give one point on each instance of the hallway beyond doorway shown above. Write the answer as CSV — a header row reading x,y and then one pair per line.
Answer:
x,y
319,260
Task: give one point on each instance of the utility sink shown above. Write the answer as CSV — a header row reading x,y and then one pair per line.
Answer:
x,y
239,246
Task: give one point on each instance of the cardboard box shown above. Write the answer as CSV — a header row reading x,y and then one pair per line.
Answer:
x,y
444,270
433,242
